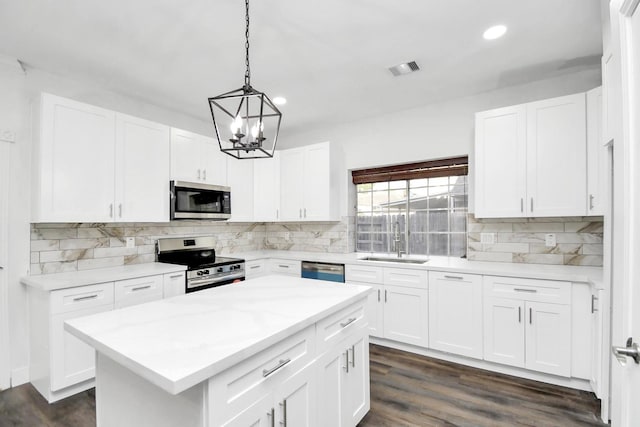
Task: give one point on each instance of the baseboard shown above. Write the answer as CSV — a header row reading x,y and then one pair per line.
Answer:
x,y
19,376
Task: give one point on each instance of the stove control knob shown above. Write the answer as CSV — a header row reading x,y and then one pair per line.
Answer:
x,y
220,270
205,272
199,273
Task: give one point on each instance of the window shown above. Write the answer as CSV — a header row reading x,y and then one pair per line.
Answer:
x,y
426,215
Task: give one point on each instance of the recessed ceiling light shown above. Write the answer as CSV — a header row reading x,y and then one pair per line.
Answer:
x,y
495,32
404,68
279,100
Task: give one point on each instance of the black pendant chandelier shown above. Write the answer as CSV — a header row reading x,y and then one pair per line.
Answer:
x,y
247,123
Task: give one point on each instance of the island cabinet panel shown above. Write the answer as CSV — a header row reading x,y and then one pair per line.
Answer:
x,y
343,382
336,327
455,313
375,310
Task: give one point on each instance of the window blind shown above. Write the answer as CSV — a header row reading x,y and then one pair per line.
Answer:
x,y
454,166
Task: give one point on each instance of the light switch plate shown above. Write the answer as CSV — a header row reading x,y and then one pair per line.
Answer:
x,y
7,135
131,242
488,238
550,239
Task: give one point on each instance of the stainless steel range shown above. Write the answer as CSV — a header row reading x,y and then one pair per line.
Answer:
x,y
204,269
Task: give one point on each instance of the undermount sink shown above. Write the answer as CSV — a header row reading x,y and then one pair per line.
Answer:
x,y
392,259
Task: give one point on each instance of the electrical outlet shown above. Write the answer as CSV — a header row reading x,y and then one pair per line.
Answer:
x,y
550,239
287,236
488,238
131,242
250,235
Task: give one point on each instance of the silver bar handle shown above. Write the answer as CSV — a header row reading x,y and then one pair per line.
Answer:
x,y
591,201
139,288
199,174
283,266
353,356
281,363
530,316
204,174
305,212
300,213
120,210
453,277
110,210
348,322
272,416
283,423
593,303
88,297
254,267
521,204
277,213
532,204
532,291
346,366
378,295
385,295
175,276
519,314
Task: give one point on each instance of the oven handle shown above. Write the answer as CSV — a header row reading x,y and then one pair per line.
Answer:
x,y
192,282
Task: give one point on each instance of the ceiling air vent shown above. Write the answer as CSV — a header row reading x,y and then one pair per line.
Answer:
x,y
406,68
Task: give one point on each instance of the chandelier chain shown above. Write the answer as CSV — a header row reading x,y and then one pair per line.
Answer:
x,y
247,73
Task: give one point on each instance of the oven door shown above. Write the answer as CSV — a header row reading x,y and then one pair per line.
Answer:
x,y
194,285
191,200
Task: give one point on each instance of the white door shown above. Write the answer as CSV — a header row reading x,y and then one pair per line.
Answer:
x,y
214,162
504,331
316,193
297,401
332,396
625,389
405,315
596,155
548,338
240,179
260,414
5,371
374,309
557,157
357,381
500,150
291,184
185,156
266,189
142,170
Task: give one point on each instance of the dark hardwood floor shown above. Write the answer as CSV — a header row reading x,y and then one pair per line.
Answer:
x,y
406,390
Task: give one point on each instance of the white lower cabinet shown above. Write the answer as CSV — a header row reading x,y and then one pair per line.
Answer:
x,y
455,313
137,291
173,284
256,268
527,323
285,266
343,382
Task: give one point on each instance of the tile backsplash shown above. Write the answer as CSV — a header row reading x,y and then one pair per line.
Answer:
x,y
58,248
522,240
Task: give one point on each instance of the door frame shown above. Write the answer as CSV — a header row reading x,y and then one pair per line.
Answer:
x,y
5,365
627,235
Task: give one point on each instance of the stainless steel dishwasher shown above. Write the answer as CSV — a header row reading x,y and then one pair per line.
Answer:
x,y
323,271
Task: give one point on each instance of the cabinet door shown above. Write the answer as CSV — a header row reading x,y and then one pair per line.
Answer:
x,y
173,284
357,381
296,399
185,156
455,313
266,189
405,315
500,162
142,170
77,160
291,184
596,155
72,361
596,342
240,179
316,192
259,414
256,268
504,331
556,157
333,396
213,162
375,310
548,338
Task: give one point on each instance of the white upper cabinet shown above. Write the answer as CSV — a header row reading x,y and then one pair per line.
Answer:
x,y
96,165
531,159
74,162
142,170
557,157
596,155
309,183
197,158
240,180
266,189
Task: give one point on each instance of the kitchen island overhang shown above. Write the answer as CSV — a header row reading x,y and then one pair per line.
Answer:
x,y
187,346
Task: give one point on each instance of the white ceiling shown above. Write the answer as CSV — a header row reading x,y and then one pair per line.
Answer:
x,y
329,58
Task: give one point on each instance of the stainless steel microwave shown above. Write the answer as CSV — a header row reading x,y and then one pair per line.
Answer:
x,y
194,200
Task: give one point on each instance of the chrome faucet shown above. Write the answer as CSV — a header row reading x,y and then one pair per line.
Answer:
x,y
396,239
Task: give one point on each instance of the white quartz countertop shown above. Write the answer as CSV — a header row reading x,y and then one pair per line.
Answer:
x,y
52,282
179,342
446,264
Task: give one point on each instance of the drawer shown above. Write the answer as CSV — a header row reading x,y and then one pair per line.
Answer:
x,y
174,284
286,266
551,291
138,290
81,297
454,277
236,388
255,268
358,273
405,277
340,325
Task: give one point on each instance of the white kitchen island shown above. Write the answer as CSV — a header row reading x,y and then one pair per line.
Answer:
x,y
275,350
